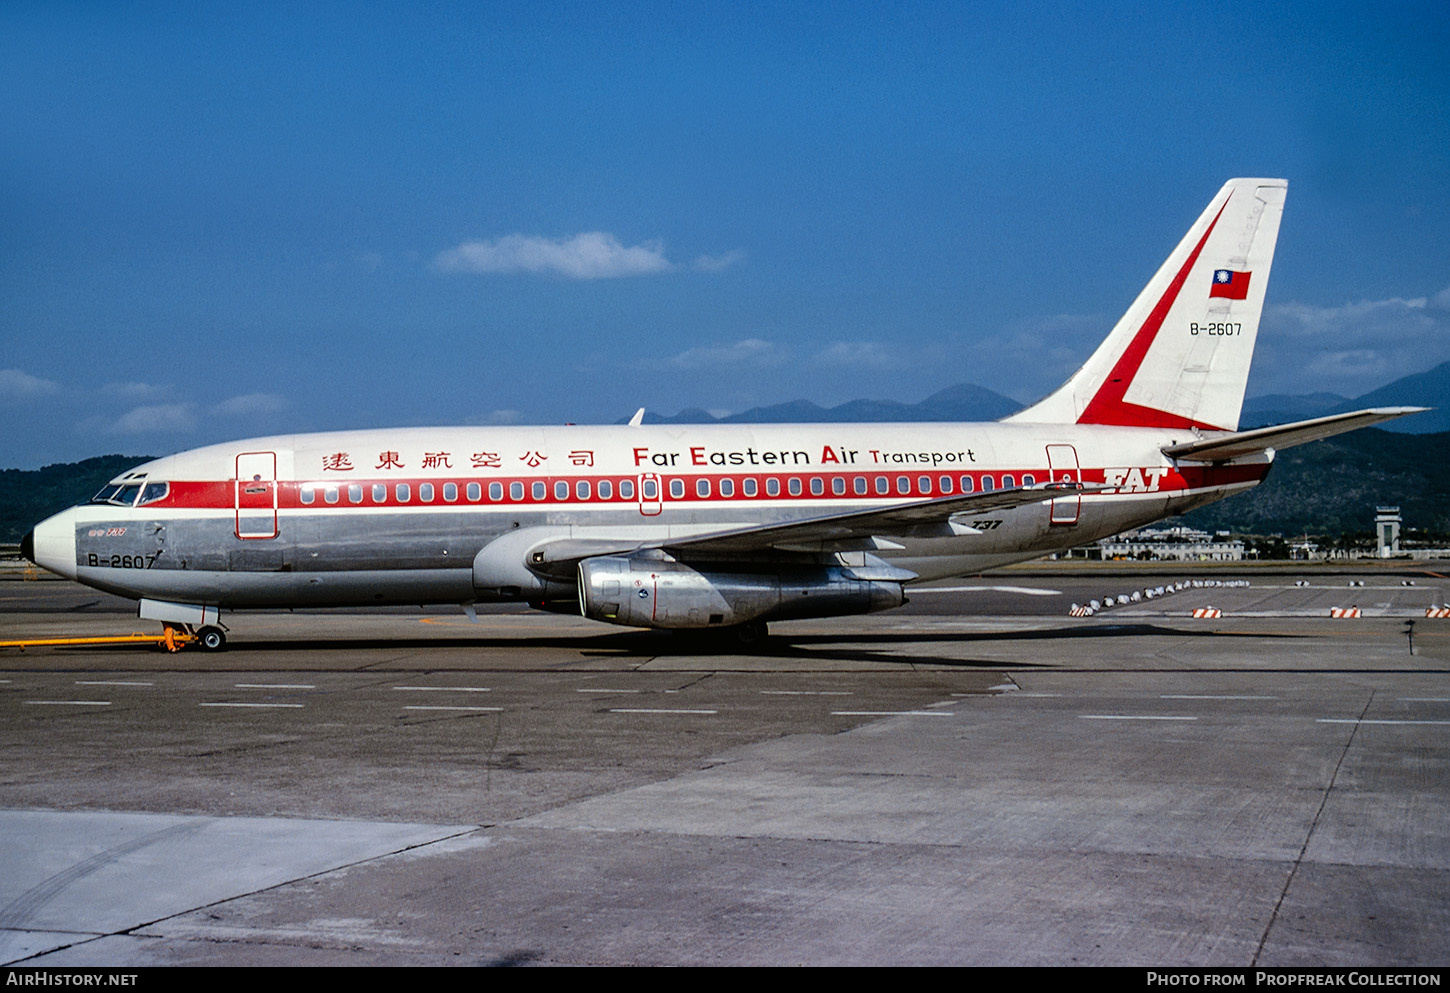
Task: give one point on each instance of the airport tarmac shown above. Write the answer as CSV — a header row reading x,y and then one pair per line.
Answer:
x,y
977,778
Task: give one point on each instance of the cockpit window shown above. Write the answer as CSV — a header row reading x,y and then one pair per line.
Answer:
x,y
107,491
126,495
154,491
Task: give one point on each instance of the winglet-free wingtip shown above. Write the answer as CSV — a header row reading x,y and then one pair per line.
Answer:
x,y
637,419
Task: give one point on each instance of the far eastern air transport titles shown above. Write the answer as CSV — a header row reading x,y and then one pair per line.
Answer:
x,y
720,526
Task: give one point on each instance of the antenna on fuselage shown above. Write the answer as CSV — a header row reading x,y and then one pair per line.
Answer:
x,y
637,419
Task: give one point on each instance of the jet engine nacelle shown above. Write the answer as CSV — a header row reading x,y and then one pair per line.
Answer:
x,y
640,591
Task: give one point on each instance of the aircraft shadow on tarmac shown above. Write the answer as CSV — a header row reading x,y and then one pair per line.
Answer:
x,y
845,647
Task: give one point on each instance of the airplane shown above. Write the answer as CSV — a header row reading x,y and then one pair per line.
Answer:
x,y
714,527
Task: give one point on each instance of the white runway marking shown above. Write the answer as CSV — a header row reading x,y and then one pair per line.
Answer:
x,y
892,713
490,709
605,689
1209,696
805,693
1353,720
108,682
1132,717
71,703
445,689
275,686
657,710
260,706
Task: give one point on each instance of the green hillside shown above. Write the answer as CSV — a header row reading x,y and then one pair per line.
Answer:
x,y
29,496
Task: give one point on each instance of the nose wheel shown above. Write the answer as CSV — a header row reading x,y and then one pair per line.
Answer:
x,y
208,638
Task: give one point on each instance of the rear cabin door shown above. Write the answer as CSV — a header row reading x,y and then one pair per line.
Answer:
x,y
256,495
1062,467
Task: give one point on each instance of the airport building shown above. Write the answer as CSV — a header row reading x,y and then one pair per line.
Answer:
x,y
1176,544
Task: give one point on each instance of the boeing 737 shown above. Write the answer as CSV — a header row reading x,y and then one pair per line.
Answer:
x,y
713,526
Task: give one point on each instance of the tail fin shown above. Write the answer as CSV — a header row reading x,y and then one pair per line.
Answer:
x,y
1180,356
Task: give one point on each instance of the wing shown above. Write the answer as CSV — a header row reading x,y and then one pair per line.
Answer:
x,y
853,531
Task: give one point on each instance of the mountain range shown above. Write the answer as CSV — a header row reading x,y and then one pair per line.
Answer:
x,y
968,402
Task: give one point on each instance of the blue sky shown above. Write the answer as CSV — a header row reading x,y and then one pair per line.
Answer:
x,y
220,220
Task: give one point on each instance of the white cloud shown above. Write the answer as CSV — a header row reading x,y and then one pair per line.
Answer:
x,y
155,419
591,255
19,386
252,403
135,391
748,351
1350,349
860,355
719,263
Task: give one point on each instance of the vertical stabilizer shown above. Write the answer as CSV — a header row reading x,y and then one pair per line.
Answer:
x,y
1180,356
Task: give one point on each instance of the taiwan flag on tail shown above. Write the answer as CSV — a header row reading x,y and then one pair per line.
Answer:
x,y
1229,284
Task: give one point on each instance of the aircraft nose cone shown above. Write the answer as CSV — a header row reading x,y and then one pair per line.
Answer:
x,y
52,545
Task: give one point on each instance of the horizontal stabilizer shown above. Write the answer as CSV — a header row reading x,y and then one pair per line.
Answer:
x,y
1281,436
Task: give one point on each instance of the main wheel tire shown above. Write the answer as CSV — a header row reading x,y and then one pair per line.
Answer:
x,y
211,639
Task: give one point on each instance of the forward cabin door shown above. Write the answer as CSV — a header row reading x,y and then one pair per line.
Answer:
x,y
1062,467
256,495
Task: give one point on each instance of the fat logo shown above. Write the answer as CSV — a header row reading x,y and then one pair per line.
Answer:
x,y
1134,480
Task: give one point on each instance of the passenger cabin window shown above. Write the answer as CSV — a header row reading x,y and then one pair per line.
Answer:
x,y
581,489
1028,479
772,486
838,486
425,492
380,493
330,494
988,484
727,487
450,492
307,494
606,490
354,493
883,485
1008,482
626,489
702,488
923,485
751,486
967,484
650,489
794,485
859,485
903,485
818,486
945,482
561,490
475,492
677,489
495,491
403,492
541,492
516,491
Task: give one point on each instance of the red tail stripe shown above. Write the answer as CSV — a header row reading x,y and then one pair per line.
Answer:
x,y
1108,406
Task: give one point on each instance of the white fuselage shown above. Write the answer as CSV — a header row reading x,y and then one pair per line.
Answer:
x,y
400,516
